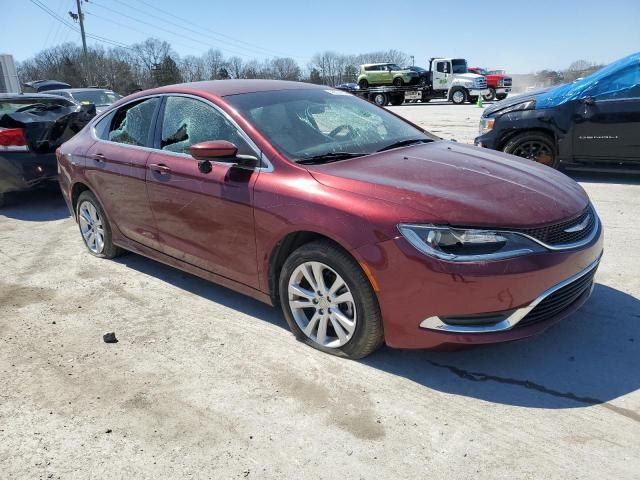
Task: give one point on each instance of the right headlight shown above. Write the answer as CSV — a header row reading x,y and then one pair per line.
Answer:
x,y
467,245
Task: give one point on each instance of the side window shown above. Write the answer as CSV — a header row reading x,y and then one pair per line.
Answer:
x,y
440,67
188,121
103,126
624,84
132,123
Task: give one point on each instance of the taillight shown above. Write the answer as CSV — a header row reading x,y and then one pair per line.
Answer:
x,y
13,137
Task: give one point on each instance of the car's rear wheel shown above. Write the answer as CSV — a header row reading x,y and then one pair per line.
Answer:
x,y
536,146
94,227
380,99
398,82
491,95
329,302
397,99
363,84
501,96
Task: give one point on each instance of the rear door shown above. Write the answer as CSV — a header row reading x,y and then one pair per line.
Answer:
x,y
205,219
607,121
116,166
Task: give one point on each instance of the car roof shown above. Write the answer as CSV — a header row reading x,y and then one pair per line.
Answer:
x,y
222,88
374,64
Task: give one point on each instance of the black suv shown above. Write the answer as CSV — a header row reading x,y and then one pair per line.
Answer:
x,y
593,122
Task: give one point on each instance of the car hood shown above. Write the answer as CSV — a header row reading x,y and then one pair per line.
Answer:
x,y
468,76
450,183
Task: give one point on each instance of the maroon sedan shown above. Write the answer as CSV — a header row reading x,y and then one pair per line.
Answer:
x,y
363,227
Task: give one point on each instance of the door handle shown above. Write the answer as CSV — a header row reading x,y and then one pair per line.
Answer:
x,y
161,168
99,157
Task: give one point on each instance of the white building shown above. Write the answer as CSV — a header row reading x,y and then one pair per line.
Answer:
x,y
8,76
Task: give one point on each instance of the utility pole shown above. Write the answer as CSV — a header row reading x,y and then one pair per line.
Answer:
x,y
84,42
413,60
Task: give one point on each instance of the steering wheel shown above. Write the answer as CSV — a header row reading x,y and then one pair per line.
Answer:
x,y
348,130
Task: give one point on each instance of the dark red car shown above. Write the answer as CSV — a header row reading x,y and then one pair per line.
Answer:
x,y
364,228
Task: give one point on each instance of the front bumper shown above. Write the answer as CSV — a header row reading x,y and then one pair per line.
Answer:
x,y
433,288
502,90
26,170
475,92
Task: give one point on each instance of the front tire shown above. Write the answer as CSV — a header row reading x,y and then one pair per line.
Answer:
x,y
458,96
491,95
363,84
502,96
94,227
329,302
536,146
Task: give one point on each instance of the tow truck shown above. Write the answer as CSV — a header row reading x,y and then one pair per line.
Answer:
x,y
447,78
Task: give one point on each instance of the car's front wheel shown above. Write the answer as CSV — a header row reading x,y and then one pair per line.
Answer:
x,y
329,302
491,95
94,227
363,84
536,146
458,96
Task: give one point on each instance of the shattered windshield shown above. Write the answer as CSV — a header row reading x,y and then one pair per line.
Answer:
x,y
307,123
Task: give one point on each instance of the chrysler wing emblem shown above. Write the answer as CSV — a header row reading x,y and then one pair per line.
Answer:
x,y
580,226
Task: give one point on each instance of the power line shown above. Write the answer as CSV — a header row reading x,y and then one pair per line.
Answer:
x,y
177,34
208,31
53,14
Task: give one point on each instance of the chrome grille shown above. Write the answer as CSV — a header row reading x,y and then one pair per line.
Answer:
x,y
480,83
557,234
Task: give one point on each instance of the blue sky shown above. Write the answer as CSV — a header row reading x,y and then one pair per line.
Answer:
x,y
519,36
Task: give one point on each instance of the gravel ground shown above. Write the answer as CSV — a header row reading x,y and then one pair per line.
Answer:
x,y
206,383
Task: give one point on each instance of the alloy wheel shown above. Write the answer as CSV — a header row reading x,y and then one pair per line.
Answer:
x,y
322,304
535,150
458,96
91,227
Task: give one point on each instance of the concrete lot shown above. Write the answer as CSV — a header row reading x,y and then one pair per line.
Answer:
x,y
206,383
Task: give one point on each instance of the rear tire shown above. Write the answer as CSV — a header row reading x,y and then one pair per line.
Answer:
x,y
353,328
398,82
95,227
536,146
380,99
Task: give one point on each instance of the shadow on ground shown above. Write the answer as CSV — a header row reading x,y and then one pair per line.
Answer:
x,y
36,206
589,358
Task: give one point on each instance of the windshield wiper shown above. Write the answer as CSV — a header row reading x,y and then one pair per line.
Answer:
x,y
405,143
329,157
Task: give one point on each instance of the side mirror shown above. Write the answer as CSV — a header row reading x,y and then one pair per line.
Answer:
x,y
589,100
213,150
220,151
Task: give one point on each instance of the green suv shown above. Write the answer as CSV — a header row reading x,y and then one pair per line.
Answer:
x,y
385,74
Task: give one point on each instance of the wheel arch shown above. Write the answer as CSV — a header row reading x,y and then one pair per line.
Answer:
x,y
76,190
285,247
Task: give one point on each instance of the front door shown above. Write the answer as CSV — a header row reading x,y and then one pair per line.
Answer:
x,y
116,166
607,121
441,74
205,219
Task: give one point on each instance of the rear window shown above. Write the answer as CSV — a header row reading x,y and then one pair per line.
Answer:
x,y
15,104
